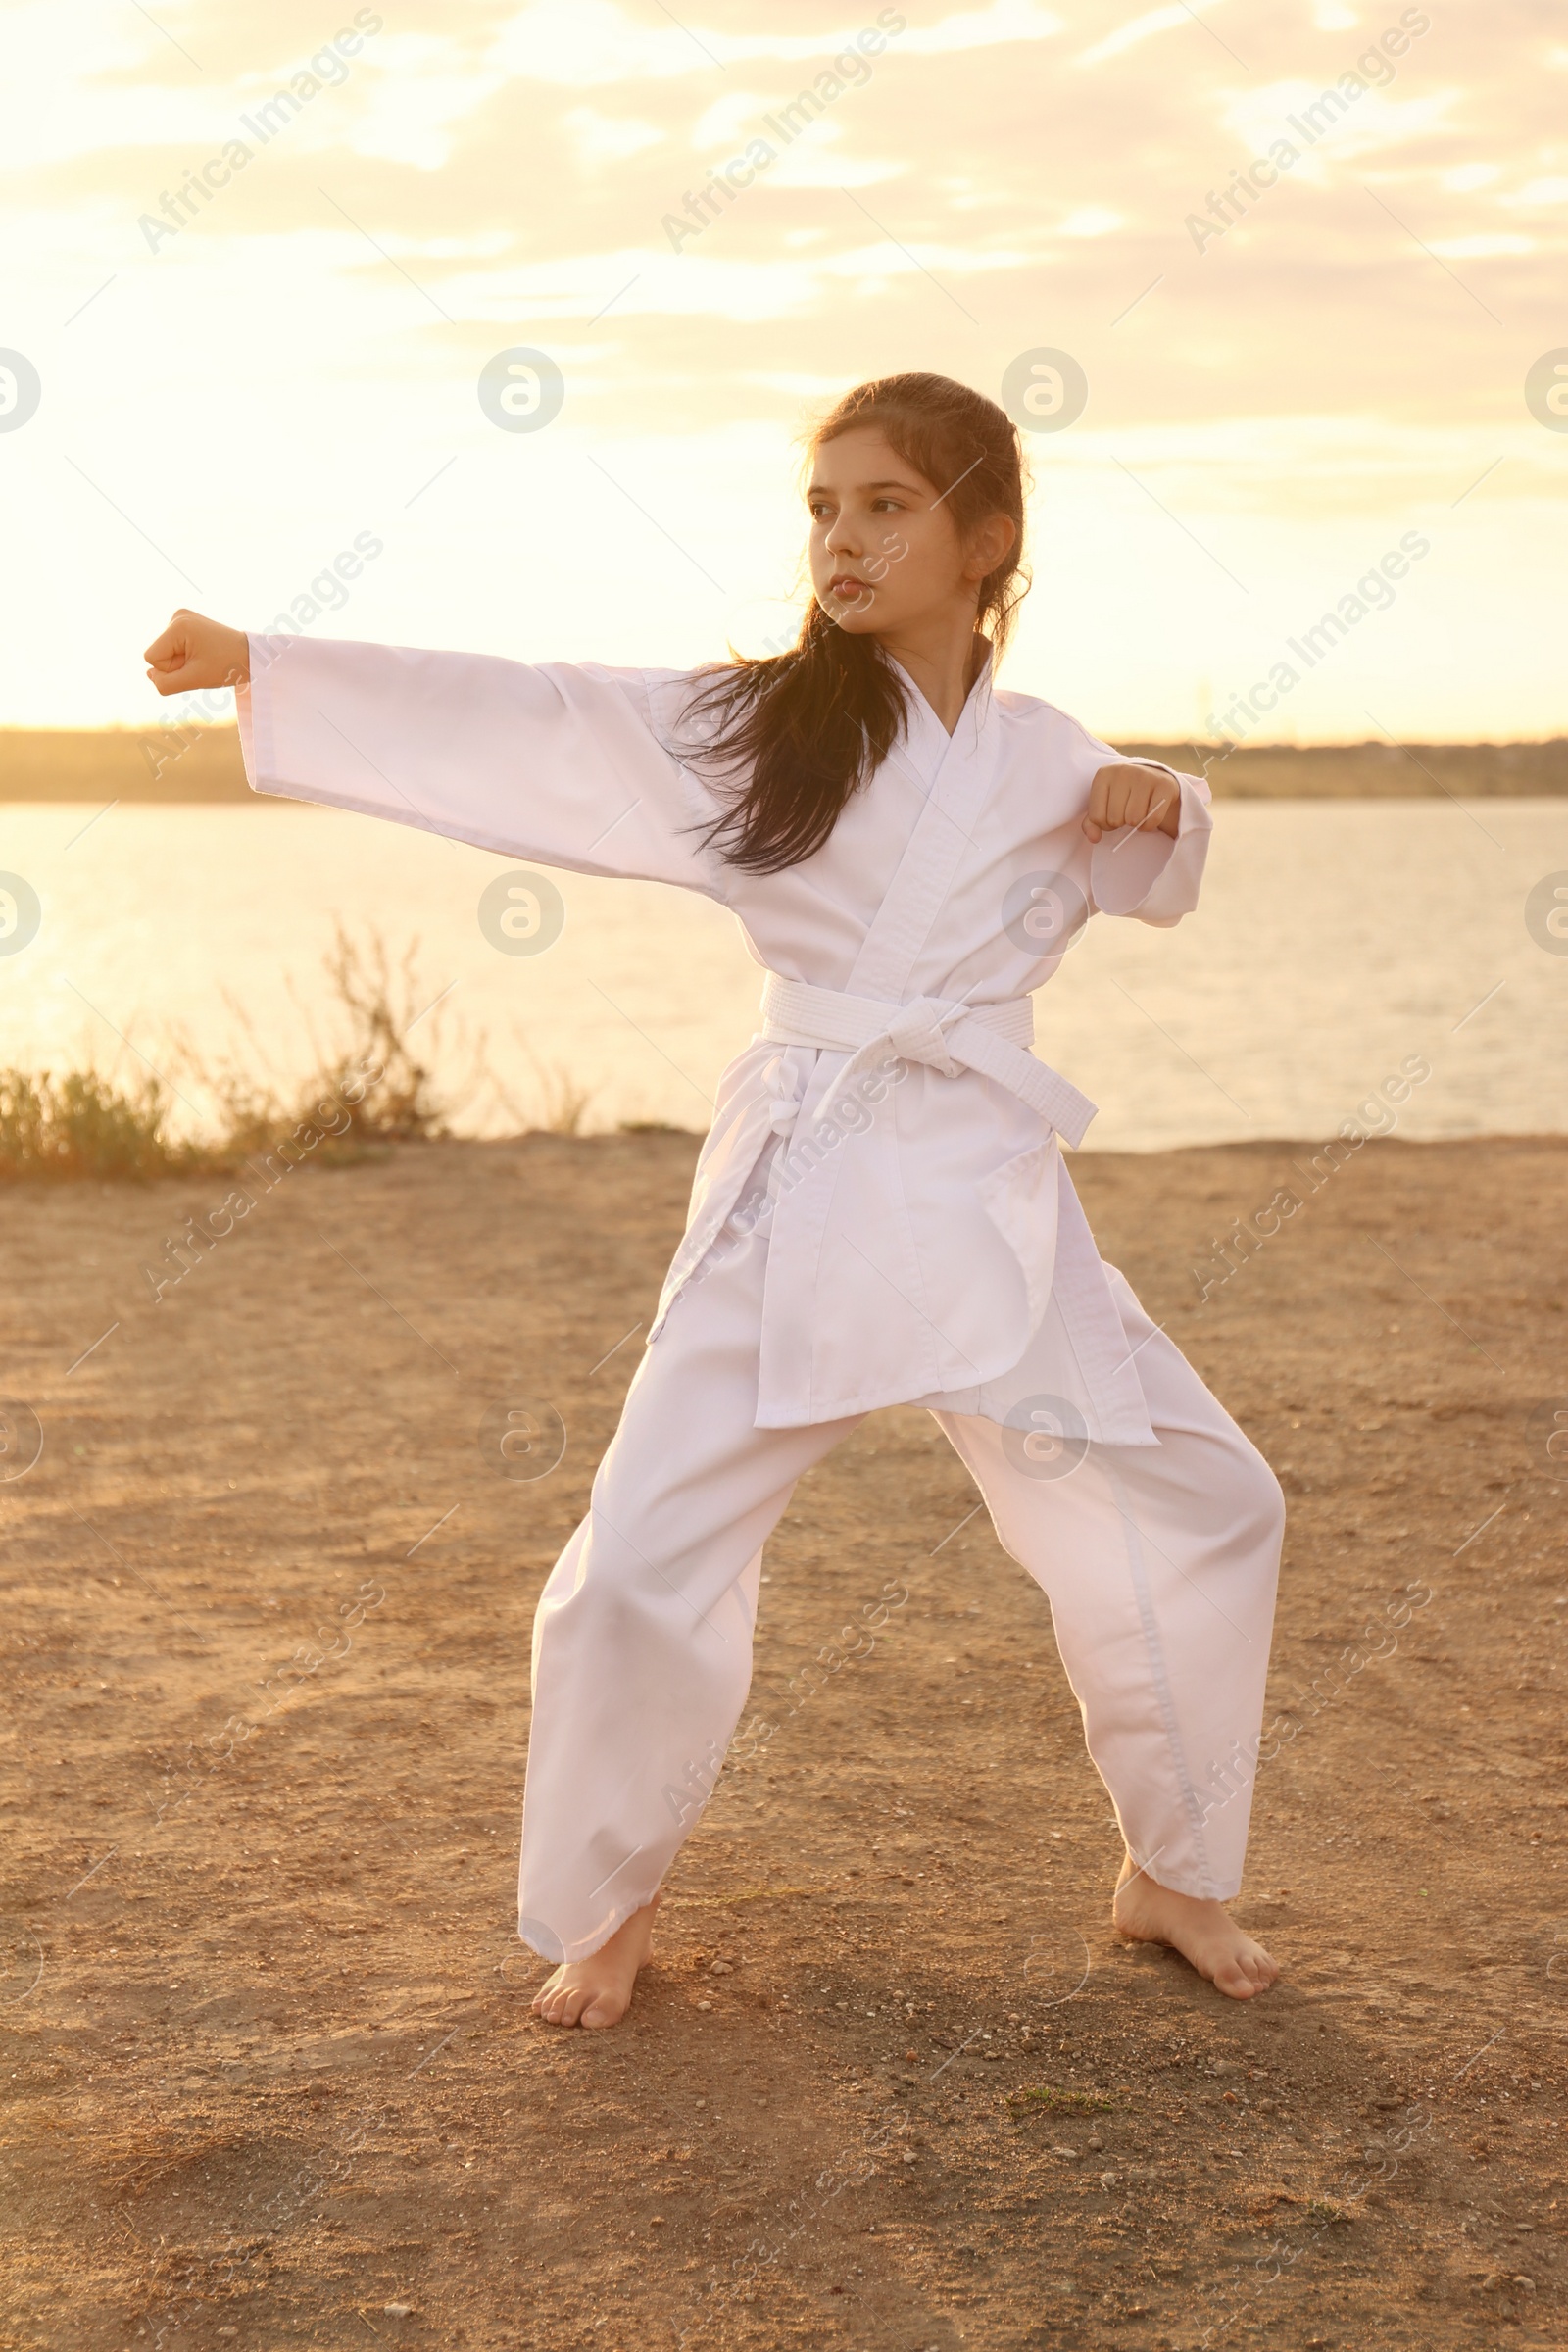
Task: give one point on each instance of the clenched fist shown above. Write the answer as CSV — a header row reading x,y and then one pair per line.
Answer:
x,y
195,651
1127,794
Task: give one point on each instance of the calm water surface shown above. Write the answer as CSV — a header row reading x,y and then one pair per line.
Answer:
x,y
1334,940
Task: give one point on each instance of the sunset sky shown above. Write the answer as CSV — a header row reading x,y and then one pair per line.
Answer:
x,y
235,388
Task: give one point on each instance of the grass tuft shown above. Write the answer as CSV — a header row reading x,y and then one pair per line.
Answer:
x,y
80,1125
369,1086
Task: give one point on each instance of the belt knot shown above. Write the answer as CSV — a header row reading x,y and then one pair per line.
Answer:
x,y
917,1032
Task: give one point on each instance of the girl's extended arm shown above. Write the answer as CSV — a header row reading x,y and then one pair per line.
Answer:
x,y
566,763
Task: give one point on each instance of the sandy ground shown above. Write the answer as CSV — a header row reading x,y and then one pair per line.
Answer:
x,y
270,2074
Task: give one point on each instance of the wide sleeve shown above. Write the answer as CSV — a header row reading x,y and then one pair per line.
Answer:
x,y
1154,877
558,765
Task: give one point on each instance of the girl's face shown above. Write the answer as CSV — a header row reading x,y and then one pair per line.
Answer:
x,y
887,556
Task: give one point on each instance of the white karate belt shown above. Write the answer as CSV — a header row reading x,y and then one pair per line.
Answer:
x,y
942,1034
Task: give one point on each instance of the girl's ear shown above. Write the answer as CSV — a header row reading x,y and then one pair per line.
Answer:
x,y
990,544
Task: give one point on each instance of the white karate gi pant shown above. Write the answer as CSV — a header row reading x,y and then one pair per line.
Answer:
x,y
1160,1564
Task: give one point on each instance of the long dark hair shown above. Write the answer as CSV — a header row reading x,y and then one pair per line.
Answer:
x,y
806,728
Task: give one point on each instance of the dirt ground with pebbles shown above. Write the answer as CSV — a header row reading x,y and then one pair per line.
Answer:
x,y
270,2075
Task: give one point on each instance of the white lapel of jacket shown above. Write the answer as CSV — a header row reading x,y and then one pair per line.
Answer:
x,y
953,782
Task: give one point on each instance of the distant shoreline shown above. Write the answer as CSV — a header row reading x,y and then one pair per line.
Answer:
x,y
94,764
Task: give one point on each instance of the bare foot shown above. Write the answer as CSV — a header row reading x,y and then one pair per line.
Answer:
x,y
1203,1932
597,1991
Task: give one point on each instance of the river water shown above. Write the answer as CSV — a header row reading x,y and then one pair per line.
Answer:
x,y
1336,940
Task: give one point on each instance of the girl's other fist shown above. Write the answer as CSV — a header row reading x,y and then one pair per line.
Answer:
x,y
1130,794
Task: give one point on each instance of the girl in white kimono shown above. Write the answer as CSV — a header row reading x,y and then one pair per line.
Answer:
x,y
881,1214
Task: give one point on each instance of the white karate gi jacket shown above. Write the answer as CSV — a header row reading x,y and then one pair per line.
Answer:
x,y
937,1254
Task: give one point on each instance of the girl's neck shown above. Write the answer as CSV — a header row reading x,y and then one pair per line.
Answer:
x,y
943,657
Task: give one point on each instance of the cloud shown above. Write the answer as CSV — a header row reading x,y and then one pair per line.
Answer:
x,y
609,138
1135,32
1004,22
1551,191
596,41
1481,247
1374,122
1088,220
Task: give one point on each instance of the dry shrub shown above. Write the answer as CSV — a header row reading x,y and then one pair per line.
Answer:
x,y
561,1096
366,1073
369,1086
81,1125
